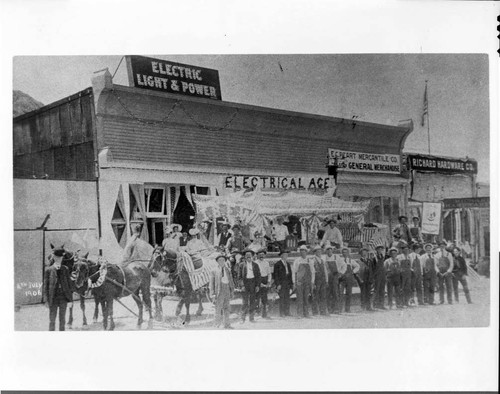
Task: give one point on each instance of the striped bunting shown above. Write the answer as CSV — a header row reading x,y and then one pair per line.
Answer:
x,y
198,277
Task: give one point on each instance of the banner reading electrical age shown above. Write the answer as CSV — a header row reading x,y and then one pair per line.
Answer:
x,y
364,162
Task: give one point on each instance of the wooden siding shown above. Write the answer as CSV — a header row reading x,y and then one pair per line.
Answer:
x,y
56,141
258,138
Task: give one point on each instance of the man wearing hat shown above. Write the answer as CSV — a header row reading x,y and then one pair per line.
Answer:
x,y
365,279
57,289
280,232
348,267
332,234
393,269
333,279
416,230
195,245
416,274
169,242
429,271
320,283
303,279
225,235
283,281
249,276
379,277
460,275
237,241
221,287
405,264
265,280
444,276
402,232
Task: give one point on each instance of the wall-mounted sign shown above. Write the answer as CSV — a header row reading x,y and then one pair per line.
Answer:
x,y
457,203
441,164
431,218
364,162
278,182
170,77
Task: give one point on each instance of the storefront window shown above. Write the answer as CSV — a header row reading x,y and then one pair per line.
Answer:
x,y
155,200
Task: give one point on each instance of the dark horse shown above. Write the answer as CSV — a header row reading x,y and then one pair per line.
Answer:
x,y
78,286
110,281
166,261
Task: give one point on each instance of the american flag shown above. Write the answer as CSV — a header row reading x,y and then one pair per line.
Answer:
x,y
426,104
379,239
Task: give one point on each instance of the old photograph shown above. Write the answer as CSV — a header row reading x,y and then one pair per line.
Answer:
x,y
257,192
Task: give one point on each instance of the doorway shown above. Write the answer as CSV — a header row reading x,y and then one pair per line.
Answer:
x,y
184,211
156,229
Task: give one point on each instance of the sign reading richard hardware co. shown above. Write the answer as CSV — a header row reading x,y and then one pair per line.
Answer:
x,y
442,164
166,76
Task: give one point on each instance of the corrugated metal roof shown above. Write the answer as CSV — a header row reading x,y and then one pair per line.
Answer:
x,y
211,133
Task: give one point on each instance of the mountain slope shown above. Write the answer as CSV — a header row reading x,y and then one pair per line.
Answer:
x,y
23,103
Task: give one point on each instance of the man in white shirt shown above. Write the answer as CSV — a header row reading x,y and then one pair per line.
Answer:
x,y
265,280
280,232
169,242
332,235
347,268
195,245
429,271
444,275
249,275
303,280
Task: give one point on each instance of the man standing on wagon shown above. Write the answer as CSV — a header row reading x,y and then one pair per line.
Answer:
x,y
332,235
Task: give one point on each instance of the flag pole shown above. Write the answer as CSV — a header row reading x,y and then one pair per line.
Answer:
x,y
428,123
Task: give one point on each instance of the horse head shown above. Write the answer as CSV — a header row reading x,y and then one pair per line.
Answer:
x,y
81,270
156,263
68,258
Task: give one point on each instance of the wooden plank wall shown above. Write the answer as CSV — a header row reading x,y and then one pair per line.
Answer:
x,y
56,141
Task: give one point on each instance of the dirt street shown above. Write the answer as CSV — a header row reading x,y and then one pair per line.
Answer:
x,y
35,317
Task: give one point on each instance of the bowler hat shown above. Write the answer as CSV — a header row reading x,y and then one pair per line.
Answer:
x,y
263,250
393,250
303,247
249,250
402,216
380,247
428,245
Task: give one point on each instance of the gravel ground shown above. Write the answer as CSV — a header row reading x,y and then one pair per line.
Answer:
x,y
35,317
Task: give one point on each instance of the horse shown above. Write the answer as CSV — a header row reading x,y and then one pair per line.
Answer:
x,y
72,262
110,281
171,262
161,279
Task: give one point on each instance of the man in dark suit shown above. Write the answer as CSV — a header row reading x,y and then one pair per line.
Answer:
x,y
249,278
57,290
379,277
284,282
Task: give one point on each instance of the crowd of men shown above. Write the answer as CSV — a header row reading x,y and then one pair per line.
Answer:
x,y
322,279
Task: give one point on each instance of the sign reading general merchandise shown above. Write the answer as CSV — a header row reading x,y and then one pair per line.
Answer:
x,y
170,77
278,182
365,162
442,164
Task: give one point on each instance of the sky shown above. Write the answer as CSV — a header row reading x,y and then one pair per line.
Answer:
x,y
379,88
